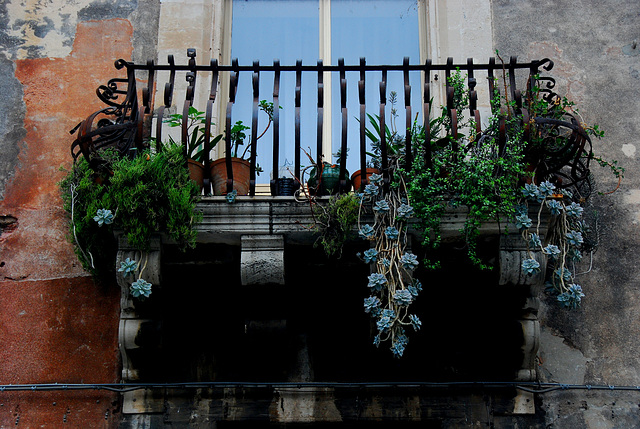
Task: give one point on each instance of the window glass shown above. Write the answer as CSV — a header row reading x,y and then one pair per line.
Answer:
x,y
287,30
383,31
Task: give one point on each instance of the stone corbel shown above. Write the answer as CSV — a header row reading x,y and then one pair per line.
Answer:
x,y
513,251
137,334
130,335
262,259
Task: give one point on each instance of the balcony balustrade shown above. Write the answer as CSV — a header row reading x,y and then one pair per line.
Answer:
x,y
128,121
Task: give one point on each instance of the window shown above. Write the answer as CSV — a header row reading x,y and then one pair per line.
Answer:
x,y
382,31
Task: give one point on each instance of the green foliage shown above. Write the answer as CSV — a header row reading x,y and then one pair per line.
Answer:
x,y
473,172
470,172
237,133
83,194
394,141
148,194
335,221
196,124
237,136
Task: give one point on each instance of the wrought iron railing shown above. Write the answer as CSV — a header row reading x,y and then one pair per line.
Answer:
x,y
127,121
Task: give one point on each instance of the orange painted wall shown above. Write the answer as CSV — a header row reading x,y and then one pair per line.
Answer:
x,y
56,323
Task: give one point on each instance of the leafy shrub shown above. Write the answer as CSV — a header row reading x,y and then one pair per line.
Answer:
x,y
145,195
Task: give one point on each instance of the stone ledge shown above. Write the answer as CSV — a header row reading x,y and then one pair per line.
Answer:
x,y
265,215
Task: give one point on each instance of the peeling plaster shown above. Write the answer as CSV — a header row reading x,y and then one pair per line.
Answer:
x,y
560,362
632,49
40,28
629,150
38,249
12,131
632,196
43,28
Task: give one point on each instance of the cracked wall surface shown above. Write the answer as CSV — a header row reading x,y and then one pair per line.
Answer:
x,y
594,47
56,323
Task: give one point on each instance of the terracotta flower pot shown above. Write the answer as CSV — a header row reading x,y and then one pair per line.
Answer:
x,y
241,170
356,178
196,172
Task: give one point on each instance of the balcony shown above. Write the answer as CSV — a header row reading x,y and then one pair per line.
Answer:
x,y
257,248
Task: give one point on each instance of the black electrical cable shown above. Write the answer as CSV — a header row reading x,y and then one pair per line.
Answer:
x,y
530,387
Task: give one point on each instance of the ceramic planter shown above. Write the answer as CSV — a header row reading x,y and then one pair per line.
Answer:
x,y
356,178
241,170
196,172
329,182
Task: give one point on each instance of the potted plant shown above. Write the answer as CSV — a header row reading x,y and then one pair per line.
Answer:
x,y
239,161
395,144
324,179
195,142
137,197
286,183
531,159
482,172
534,153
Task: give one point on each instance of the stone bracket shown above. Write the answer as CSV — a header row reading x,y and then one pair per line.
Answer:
x,y
135,332
513,251
262,259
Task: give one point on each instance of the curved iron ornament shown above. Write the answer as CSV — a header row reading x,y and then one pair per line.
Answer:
x,y
563,153
118,126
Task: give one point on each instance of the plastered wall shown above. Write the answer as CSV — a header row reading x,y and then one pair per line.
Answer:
x,y
56,323
593,45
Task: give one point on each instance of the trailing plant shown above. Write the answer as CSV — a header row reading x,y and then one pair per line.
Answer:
x,y
568,236
471,171
563,244
548,154
140,196
525,161
392,285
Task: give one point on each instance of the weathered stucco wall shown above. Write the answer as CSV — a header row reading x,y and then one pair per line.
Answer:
x,y
597,60
56,323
